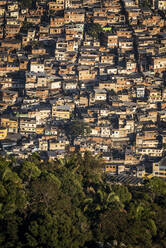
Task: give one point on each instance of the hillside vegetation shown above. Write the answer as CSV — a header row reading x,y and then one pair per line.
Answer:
x,y
68,204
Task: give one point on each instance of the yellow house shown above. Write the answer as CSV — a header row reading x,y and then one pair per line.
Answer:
x,y
11,125
3,133
12,67
111,168
39,130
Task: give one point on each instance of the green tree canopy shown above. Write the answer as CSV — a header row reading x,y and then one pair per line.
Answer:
x,y
26,3
67,203
76,128
94,30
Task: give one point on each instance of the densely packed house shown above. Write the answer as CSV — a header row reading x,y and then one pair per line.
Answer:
x,y
102,62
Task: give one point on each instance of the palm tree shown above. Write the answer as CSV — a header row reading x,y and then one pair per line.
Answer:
x,y
100,201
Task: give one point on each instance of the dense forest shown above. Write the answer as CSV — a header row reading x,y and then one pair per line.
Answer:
x,y
67,203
